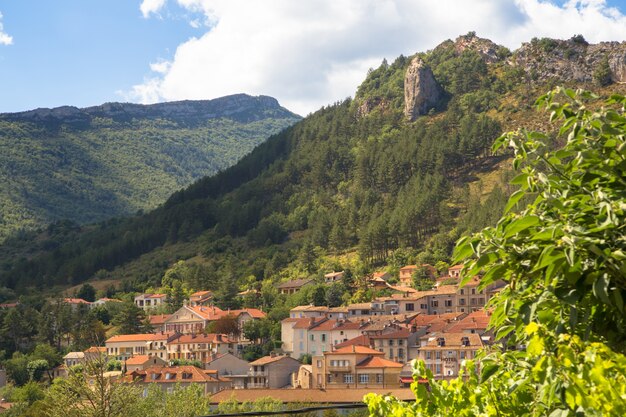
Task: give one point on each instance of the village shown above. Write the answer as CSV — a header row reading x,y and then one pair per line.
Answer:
x,y
359,348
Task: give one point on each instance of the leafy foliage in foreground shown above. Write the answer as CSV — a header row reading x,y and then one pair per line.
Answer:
x,y
562,258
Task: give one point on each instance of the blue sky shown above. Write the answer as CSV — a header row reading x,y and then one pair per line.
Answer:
x,y
305,53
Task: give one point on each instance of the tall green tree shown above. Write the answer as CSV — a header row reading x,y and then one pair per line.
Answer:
x,y
130,319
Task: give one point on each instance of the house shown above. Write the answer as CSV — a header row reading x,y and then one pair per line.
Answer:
x,y
328,333
73,358
95,353
273,371
444,352
354,367
292,287
304,378
399,345
76,303
308,311
200,298
124,346
190,320
231,367
169,377
475,322
149,301
333,277
406,273
295,334
102,301
365,309
158,322
455,271
200,347
142,362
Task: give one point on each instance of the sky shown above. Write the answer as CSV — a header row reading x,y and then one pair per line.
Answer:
x,y
305,53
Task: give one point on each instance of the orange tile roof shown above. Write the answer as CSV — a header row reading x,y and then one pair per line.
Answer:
x,y
400,334
200,293
336,325
176,373
378,362
208,313
362,340
254,312
75,301
270,359
96,349
350,350
455,267
477,320
158,319
201,338
138,360
147,337
308,322
453,341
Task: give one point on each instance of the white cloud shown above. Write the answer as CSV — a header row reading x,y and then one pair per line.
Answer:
x,y
311,53
5,39
149,7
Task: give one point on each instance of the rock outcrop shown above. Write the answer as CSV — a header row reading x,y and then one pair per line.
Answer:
x,y
570,60
421,90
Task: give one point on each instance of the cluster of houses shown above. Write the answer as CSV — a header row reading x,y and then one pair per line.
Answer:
x,y
365,346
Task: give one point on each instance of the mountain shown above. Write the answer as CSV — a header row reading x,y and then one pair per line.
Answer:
x,y
91,164
393,176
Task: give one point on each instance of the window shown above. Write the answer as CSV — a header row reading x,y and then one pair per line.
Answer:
x,y
424,306
461,301
364,379
390,342
312,338
400,342
438,369
379,378
323,337
410,307
462,355
319,363
448,303
400,353
348,379
390,353
427,355
462,291
434,303
473,291
301,345
438,355
341,333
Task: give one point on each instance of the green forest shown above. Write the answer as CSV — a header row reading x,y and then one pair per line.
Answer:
x,y
57,169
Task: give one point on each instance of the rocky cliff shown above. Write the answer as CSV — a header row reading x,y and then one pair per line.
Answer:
x,y
421,90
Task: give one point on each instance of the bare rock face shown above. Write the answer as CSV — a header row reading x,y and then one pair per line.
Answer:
x,y
567,60
487,49
421,90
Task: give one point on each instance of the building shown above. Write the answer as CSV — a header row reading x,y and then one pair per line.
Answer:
x,y
406,273
73,359
125,346
149,301
200,298
355,367
76,303
143,362
190,320
169,377
455,271
274,371
201,347
444,352
308,311
399,345
158,322
304,378
292,287
231,367
333,277
103,301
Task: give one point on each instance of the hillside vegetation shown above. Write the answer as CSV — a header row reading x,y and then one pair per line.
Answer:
x,y
355,185
88,165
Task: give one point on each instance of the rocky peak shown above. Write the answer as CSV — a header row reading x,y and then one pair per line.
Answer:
x,y
487,49
570,60
421,90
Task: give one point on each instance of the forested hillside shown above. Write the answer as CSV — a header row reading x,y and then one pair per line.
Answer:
x,y
88,165
362,183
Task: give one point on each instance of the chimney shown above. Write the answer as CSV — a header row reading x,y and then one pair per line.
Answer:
x,y
353,349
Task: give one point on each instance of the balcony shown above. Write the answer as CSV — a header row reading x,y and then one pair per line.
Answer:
x,y
257,373
337,368
254,385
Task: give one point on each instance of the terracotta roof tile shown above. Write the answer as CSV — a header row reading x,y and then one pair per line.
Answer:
x,y
378,362
270,359
350,350
147,337
362,340
296,283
